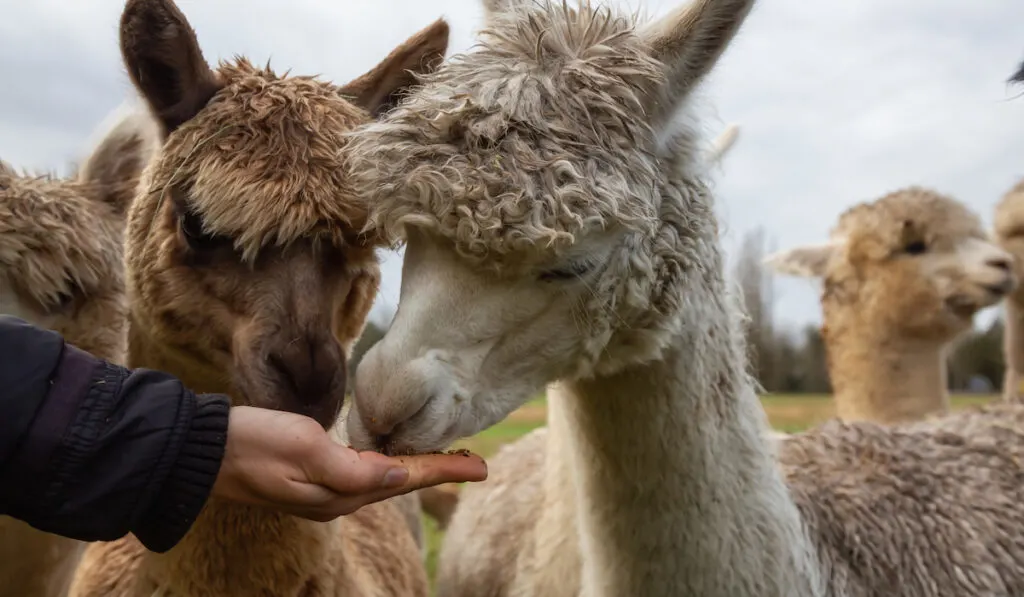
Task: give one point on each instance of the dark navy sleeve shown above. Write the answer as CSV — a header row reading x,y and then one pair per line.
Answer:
x,y
93,451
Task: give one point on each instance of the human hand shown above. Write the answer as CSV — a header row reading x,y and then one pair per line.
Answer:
x,y
288,462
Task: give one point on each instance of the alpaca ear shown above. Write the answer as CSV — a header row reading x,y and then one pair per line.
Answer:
x,y
130,137
164,62
808,261
381,88
722,144
1018,77
689,42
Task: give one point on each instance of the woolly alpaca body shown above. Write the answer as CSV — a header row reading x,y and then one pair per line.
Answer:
x,y
865,492
61,268
247,275
237,551
1009,231
903,277
550,239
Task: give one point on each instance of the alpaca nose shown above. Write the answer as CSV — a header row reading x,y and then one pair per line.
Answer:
x,y
311,376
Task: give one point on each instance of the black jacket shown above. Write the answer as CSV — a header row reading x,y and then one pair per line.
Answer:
x,y
93,451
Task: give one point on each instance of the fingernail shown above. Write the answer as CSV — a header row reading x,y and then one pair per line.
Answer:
x,y
396,477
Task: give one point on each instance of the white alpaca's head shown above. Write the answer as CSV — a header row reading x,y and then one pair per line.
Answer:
x,y
913,264
551,232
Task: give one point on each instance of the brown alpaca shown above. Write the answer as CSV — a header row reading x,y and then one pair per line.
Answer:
x,y
903,277
246,276
1009,231
61,268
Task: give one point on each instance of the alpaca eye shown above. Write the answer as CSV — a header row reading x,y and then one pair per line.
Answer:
x,y
570,271
916,247
192,229
61,301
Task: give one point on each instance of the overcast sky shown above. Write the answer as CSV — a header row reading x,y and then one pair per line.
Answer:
x,y
838,101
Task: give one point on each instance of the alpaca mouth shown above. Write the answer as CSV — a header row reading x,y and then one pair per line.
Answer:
x,y
1001,289
962,306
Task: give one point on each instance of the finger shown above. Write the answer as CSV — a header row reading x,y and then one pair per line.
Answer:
x,y
433,469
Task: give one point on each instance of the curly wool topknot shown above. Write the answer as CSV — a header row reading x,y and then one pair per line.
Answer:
x,y
882,226
274,142
521,147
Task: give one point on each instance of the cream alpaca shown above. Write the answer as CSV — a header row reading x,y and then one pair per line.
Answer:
x,y
514,462
1009,231
548,239
61,268
903,277
246,275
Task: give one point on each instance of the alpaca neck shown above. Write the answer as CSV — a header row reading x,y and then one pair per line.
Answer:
x,y
226,532
886,380
678,493
1013,348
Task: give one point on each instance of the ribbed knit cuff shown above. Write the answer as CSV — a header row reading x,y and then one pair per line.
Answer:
x,y
191,478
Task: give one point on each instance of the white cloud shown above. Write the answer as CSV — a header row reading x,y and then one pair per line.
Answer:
x,y
838,102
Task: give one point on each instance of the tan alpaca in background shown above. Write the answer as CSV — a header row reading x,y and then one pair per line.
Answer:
x,y
246,275
549,239
1009,231
61,267
903,277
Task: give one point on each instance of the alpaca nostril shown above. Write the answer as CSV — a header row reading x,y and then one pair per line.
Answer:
x,y
999,263
310,372
284,371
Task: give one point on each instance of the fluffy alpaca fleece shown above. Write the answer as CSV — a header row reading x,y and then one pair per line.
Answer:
x,y
1009,231
902,278
441,502
61,268
246,275
549,239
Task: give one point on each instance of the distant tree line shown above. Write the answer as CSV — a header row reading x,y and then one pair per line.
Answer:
x,y
785,361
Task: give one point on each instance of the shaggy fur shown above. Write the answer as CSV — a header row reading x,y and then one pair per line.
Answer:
x,y
440,502
246,276
902,277
1009,231
550,238
61,268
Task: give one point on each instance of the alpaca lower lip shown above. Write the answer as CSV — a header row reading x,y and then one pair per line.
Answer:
x,y
999,289
961,306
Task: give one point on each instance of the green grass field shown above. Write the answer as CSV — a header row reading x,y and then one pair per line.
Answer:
x,y
789,413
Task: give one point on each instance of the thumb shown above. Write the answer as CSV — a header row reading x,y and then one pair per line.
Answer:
x,y
345,471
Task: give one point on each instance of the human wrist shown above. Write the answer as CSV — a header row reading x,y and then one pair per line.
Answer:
x,y
190,481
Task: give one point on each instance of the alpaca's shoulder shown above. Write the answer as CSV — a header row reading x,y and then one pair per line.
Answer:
x,y
493,526
112,569
376,541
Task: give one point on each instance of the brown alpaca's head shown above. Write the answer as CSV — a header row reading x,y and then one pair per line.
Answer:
x,y
245,266
61,259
